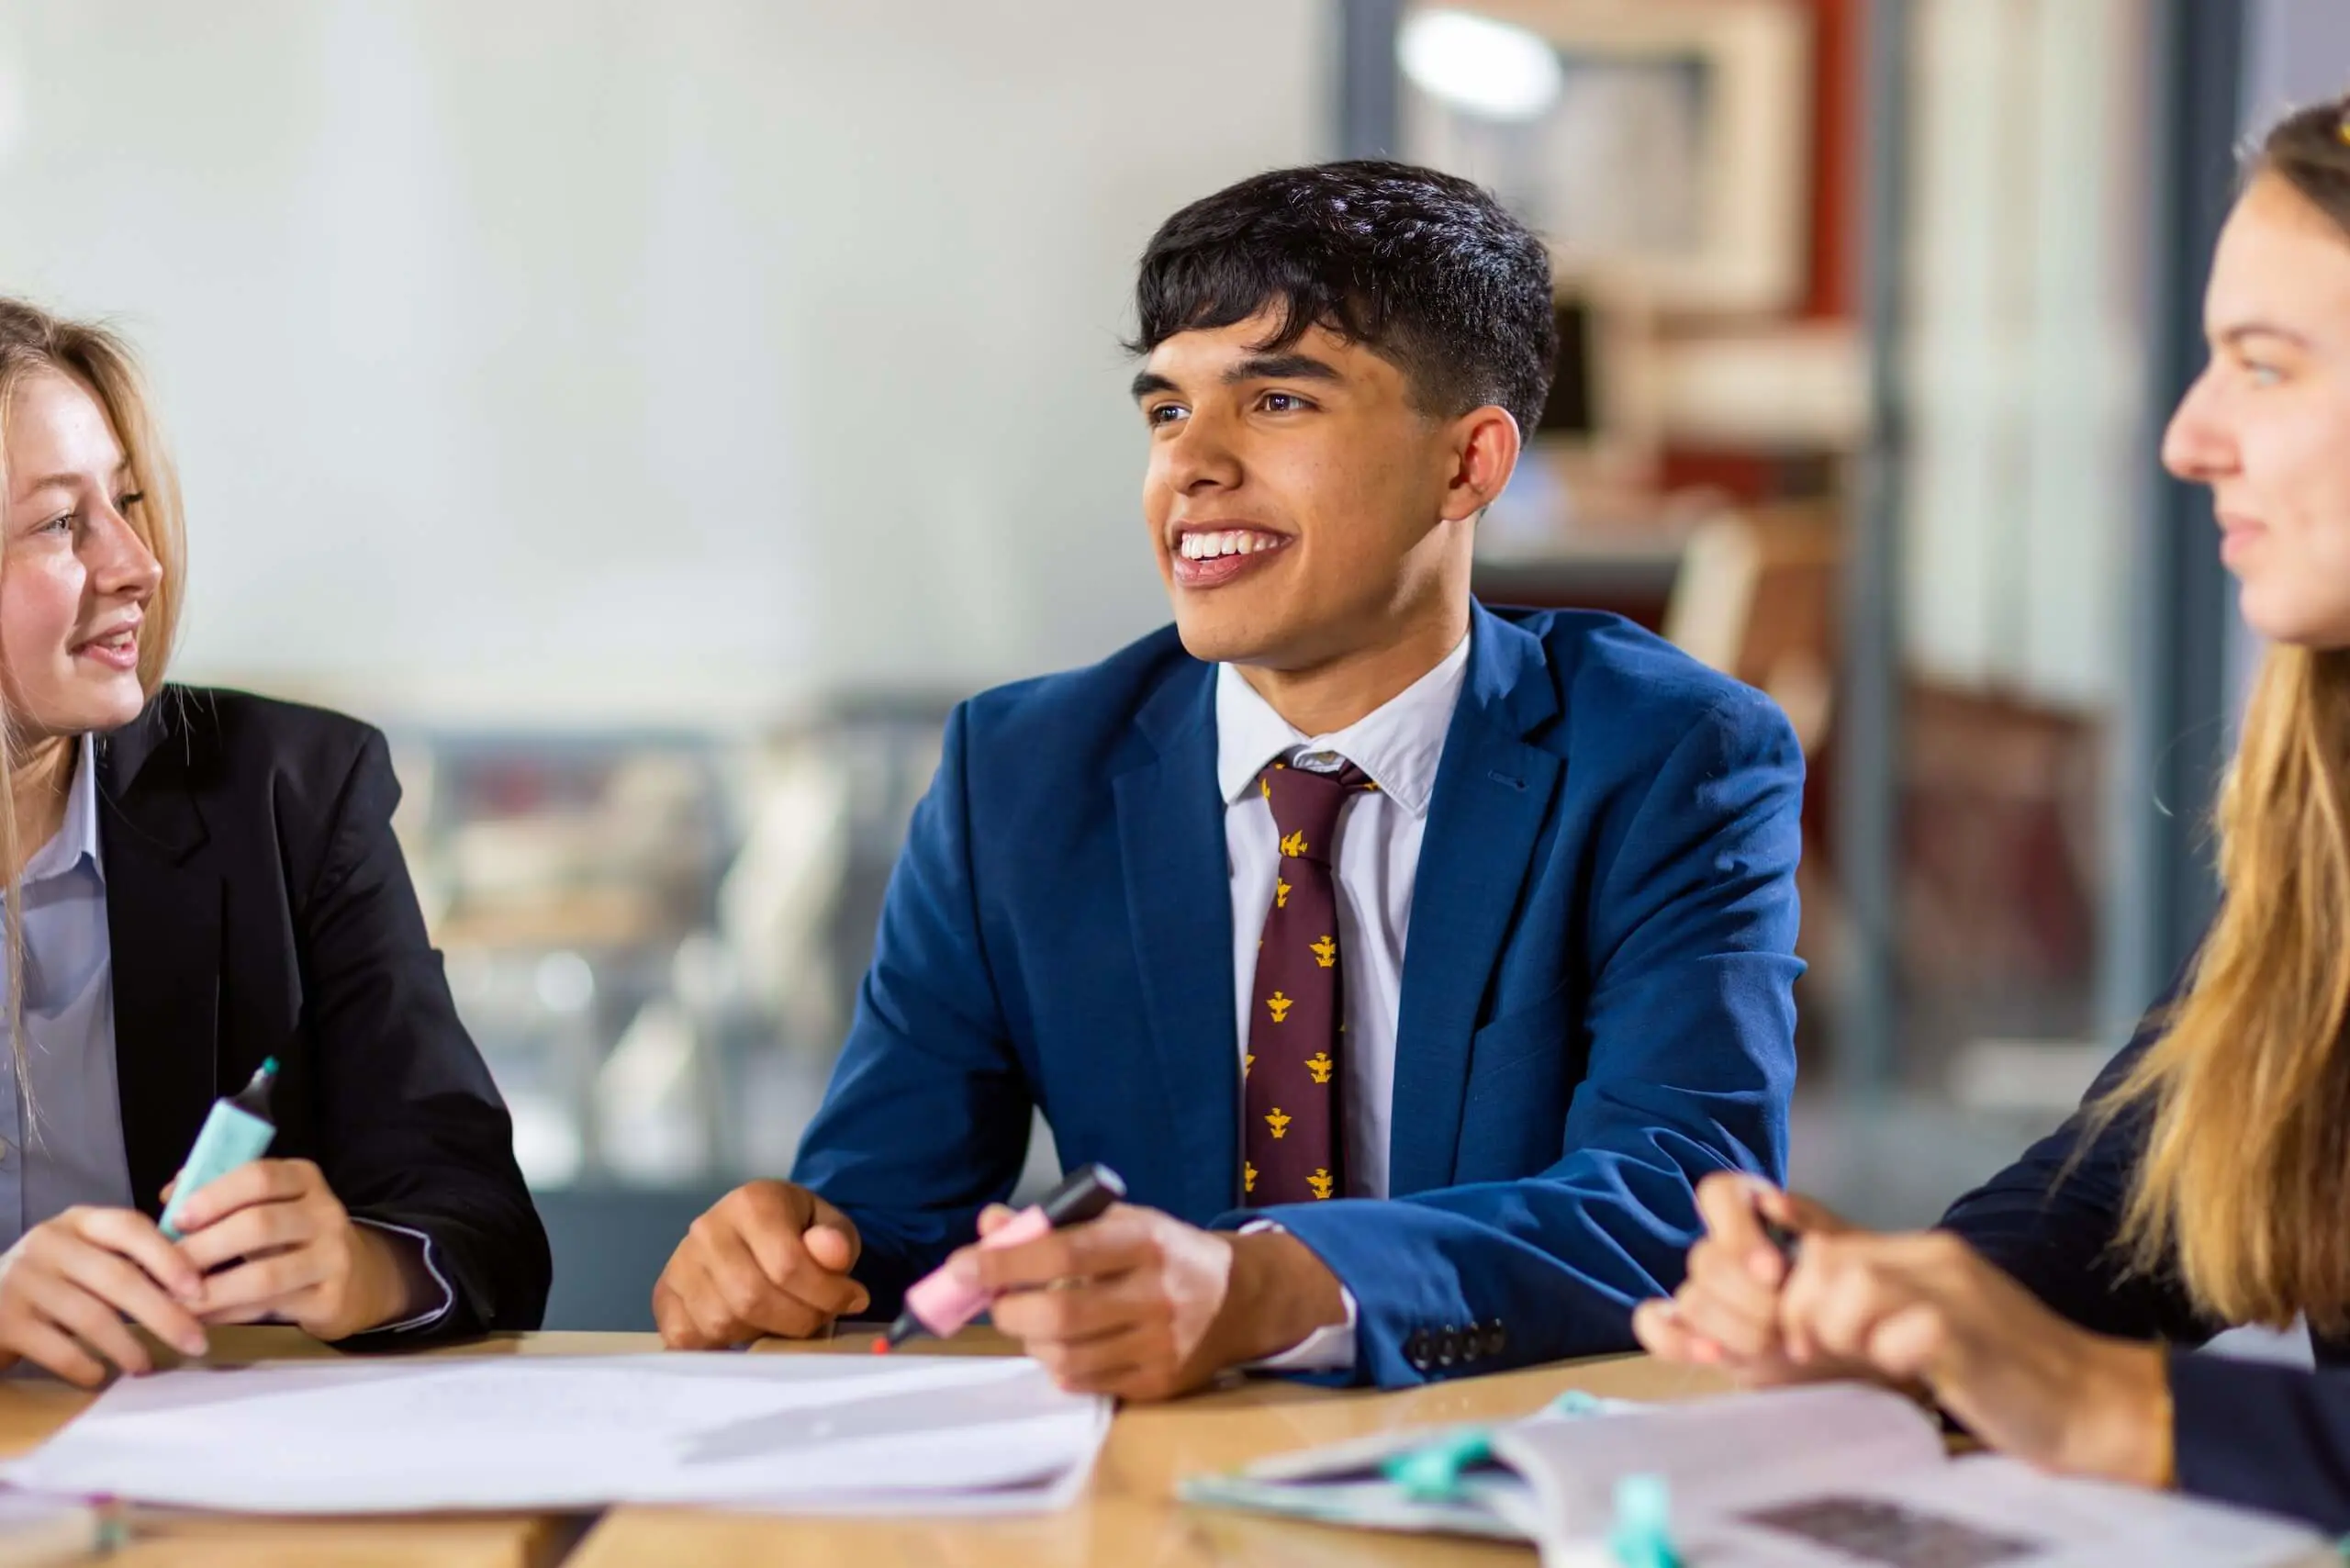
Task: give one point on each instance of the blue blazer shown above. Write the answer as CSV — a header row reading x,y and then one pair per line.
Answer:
x,y
2264,1436
1596,1004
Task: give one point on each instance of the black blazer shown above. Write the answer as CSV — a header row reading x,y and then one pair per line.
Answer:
x,y
258,905
2266,1436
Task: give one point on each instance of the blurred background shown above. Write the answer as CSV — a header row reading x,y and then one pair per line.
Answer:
x,y
657,417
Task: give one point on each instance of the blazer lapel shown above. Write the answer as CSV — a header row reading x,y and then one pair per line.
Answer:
x,y
1493,793
1179,896
163,923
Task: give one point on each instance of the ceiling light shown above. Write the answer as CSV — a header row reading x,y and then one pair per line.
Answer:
x,y
1479,65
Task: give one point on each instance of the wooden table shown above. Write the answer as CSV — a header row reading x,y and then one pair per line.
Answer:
x,y
30,1409
1127,1517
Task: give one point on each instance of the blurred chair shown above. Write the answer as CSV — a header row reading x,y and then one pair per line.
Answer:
x,y
2000,860
776,906
1755,597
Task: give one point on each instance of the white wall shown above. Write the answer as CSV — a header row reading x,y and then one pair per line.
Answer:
x,y
552,359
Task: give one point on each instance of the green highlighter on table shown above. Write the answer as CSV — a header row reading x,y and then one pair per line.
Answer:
x,y
237,1132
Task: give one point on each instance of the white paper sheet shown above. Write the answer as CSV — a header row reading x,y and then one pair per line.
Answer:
x,y
816,1433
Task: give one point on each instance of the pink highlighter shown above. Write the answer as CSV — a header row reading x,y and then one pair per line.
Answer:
x,y
938,1303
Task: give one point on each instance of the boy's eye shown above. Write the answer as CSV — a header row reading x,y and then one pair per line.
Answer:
x,y
1283,402
1163,413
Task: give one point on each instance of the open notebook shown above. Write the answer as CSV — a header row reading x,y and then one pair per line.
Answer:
x,y
1838,1474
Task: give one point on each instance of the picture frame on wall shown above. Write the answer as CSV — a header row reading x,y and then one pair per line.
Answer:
x,y
1601,423
1664,138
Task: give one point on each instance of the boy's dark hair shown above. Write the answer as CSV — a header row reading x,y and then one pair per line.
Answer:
x,y
1425,269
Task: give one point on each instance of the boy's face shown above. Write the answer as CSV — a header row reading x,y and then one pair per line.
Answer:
x,y
1303,510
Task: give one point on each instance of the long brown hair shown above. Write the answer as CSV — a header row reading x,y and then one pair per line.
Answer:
x,y
2243,1188
32,343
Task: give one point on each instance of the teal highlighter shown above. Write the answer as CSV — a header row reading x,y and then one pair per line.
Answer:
x,y
236,1133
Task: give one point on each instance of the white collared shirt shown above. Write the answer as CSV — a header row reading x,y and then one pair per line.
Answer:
x,y
1399,744
75,1153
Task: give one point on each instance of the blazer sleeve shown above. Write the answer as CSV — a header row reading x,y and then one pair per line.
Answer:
x,y
413,1134
1689,1039
926,1118
2051,1218
2262,1436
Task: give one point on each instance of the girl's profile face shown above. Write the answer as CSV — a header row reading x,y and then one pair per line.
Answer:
x,y
2267,423
75,576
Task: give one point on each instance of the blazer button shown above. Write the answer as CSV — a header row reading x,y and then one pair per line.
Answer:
x,y
1415,1349
1496,1338
1448,1347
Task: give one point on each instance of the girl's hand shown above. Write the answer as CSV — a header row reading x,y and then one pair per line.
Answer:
x,y
67,1285
1726,1313
296,1255
1927,1306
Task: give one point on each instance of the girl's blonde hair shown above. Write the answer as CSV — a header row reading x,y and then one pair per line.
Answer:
x,y
34,342
2243,1188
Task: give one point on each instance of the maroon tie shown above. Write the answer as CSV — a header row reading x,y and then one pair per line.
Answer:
x,y
1295,1066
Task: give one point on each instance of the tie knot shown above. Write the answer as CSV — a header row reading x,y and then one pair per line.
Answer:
x,y
1306,803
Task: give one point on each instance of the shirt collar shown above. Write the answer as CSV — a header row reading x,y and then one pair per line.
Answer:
x,y
77,837
1398,743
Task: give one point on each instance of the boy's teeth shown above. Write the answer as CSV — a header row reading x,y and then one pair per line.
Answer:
x,y
1231,542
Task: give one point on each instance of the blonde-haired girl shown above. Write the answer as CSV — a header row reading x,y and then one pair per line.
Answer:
x,y
195,881
2206,1181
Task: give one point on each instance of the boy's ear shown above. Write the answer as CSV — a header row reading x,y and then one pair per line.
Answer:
x,y
1488,447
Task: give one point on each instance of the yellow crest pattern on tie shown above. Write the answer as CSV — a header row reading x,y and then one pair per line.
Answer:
x,y
1319,1064
1321,1184
1278,1120
1295,846
1280,1005
1325,952
1281,901
1247,1177
1247,1061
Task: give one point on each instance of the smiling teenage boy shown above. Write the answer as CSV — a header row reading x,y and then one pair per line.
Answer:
x,y
1411,961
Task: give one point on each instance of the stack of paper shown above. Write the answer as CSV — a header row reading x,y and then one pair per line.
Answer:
x,y
1820,1477
816,1433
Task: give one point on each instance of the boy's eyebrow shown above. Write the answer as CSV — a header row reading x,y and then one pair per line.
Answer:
x,y
1257,367
1280,367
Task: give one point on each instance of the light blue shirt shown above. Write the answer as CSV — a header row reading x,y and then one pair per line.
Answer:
x,y
72,1150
